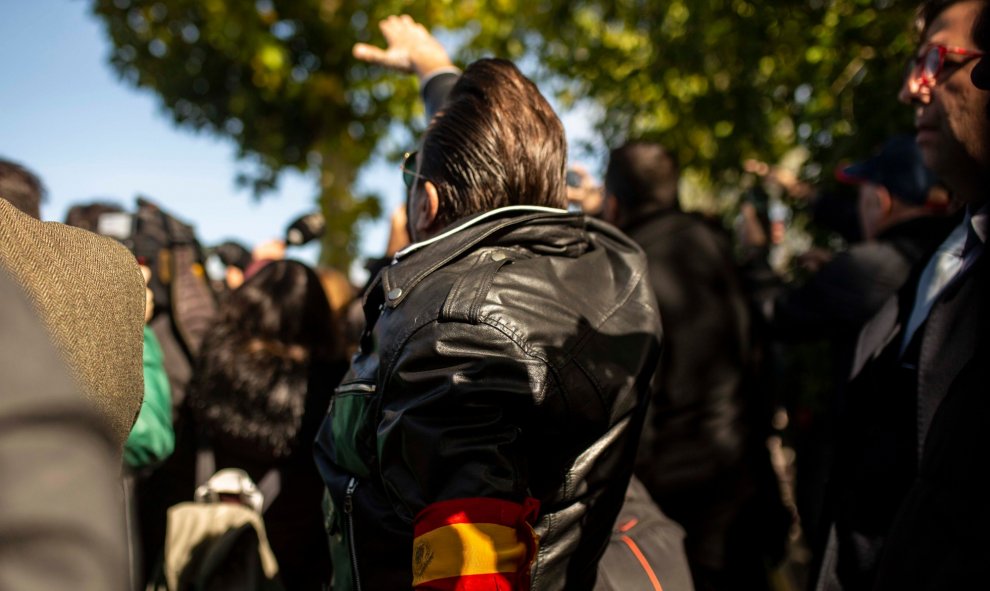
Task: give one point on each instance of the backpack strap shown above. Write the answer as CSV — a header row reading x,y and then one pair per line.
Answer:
x,y
270,485
206,465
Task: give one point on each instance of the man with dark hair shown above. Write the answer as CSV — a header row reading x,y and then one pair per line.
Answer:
x,y
87,215
485,433
914,348
641,178
491,101
938,539
703,454
21,187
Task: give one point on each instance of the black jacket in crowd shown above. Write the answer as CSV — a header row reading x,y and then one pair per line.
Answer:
x,y
888,411
508,358
703,452
939,536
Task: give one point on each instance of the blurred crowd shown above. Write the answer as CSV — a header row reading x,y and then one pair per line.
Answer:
x,y
551,379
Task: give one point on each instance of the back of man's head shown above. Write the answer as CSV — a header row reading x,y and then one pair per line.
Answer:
x,y
21,187
87,216
643,177
497,142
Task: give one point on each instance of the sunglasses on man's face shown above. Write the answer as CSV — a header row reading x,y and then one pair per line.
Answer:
x,y
925,69
408,168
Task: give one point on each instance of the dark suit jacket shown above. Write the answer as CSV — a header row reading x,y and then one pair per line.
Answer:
x,y
89,293
888,409
939,537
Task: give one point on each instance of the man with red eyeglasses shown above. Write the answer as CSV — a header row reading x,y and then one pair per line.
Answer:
x,y
910,357
938,539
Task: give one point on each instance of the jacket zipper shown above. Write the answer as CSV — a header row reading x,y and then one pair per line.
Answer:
x,y
348,511
355,387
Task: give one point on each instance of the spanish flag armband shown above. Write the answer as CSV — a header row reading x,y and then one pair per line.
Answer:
x,y
473,544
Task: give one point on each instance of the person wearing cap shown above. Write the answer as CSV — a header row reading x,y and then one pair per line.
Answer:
x,y
894,186
897,200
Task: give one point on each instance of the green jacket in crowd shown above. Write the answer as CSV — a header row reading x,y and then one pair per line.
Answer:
x,y
152,438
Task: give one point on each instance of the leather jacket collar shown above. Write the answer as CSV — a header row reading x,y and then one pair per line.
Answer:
x,y
411,266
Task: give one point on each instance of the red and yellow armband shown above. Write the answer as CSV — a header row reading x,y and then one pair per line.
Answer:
x,y
474,544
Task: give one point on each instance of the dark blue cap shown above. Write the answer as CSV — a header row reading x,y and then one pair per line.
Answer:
x,y
898,167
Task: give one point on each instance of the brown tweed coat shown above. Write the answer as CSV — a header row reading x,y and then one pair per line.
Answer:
x,y
89,293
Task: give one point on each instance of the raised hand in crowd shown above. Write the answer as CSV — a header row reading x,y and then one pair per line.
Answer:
x,y
410,48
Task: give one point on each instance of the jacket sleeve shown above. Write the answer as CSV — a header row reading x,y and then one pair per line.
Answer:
x,y
436,89
61,520
842,296
452,446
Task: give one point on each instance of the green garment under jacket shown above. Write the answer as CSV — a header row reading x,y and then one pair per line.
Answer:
x,y
152,438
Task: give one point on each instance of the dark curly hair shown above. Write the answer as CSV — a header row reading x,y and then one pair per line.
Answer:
x,y
272,343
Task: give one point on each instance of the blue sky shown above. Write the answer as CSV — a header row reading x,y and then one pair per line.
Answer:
x,y
64,115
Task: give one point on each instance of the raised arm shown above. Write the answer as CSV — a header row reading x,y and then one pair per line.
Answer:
x,y
412,49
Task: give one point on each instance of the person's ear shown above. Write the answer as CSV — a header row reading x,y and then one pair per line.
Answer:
x,y
885,200
428,207
610,209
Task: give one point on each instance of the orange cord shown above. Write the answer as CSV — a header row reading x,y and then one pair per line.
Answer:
x,y
643,562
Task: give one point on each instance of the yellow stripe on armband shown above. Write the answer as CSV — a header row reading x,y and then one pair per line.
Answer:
x,y
464,549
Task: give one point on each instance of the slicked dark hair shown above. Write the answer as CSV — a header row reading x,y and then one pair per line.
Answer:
x,y
643,176
929,11
981,30
497,142
21,187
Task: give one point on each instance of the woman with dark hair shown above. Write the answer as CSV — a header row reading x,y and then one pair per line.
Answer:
x,y
261,388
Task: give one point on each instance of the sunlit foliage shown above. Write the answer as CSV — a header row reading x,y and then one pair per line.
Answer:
x,y
718,81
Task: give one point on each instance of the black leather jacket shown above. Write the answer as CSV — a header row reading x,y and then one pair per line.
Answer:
x,y
513,359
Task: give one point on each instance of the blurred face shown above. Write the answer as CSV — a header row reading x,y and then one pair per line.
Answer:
x,y
950,112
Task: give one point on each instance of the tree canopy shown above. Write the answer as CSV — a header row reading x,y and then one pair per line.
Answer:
x,y
717,81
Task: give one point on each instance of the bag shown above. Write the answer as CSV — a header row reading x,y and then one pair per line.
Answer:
x,y
646,550
218,542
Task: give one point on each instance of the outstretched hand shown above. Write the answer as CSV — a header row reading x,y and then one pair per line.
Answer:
x,y
411,48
